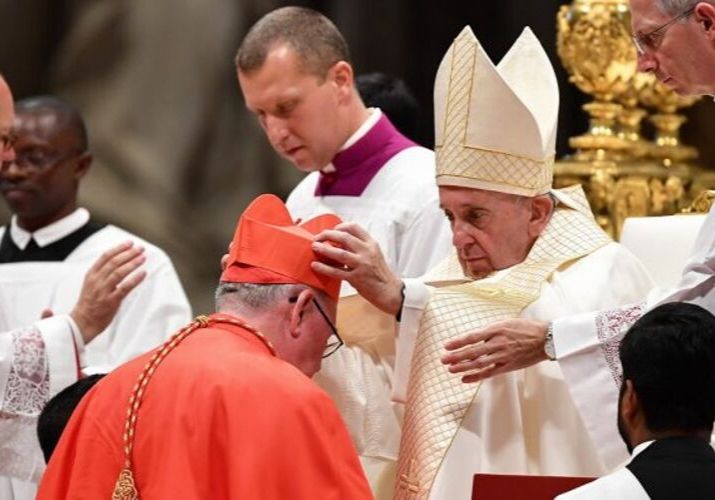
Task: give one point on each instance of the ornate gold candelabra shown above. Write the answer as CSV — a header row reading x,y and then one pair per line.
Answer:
x,y
622,173
594,46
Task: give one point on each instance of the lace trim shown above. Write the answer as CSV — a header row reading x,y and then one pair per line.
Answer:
x,y
611,327
28,384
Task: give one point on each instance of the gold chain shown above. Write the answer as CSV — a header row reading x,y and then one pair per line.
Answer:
x,y
125,487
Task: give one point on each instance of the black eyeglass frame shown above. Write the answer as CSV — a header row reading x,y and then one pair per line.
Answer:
x,y
330,347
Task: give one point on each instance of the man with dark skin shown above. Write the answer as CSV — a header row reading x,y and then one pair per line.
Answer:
x,y
41,185
54,342
50,243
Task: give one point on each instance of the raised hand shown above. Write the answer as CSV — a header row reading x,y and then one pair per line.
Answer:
x,y
357,258
105,285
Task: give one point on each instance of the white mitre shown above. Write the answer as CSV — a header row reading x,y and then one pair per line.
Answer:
x,y
495,127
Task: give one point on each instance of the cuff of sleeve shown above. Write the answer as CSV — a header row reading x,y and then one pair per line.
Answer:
x,y
61,352
417,295
78,339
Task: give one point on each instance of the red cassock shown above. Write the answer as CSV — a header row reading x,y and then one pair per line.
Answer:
x,y
222,417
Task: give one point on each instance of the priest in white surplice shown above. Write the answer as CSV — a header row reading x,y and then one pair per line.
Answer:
x,y
51,243
521,249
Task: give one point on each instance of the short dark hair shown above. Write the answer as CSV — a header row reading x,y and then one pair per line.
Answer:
x,y
394,98
67,115
669,356
58,410
313,36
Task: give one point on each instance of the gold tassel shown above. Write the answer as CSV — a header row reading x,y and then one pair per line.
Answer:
x,y
125,488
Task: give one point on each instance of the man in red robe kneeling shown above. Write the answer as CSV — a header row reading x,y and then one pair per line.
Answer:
x,y
225,409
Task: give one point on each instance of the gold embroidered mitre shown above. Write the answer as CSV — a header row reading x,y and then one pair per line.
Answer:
x,y
495,127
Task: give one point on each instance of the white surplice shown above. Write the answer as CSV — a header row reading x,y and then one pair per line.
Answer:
x,y
525,422
587,344
400,210
154,310
620,484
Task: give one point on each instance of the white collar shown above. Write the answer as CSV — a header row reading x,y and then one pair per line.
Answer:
x,y
641,447
373,117
50,233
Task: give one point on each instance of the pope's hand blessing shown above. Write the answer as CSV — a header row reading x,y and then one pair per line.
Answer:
x,y
502,347
348,252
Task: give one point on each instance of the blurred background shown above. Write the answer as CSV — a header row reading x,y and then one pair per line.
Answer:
x,y
177,157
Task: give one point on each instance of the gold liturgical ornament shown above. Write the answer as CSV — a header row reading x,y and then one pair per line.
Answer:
x,y
623,173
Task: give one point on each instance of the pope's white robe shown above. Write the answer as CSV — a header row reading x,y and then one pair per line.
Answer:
x,y
587,344
154,310
399,208
525,422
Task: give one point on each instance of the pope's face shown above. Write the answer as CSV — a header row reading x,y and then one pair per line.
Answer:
x,y
680,55
490,231
299,111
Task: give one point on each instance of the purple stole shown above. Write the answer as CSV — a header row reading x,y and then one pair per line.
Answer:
x,y
356,166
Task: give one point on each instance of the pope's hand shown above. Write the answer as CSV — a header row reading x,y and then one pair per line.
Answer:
x,y
358,260
105,285
499,348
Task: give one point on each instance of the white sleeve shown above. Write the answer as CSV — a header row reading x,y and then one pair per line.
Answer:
x,y
36,362
587,351
697,283
417,295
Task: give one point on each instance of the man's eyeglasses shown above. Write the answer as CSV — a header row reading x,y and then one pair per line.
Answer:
x,y
648,42
39,158
334,341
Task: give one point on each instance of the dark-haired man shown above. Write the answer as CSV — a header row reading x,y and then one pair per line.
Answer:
x,y
666,409
296,77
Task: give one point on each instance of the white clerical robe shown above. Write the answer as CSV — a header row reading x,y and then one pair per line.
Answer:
x,y
28,380
525,422
587,344
620,484
399,208
154,310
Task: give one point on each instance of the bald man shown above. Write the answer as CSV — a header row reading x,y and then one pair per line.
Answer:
x,y
47,350
50,244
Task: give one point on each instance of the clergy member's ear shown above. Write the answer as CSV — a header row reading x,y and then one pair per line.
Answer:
x,y
705,15
541,209
82,165
297,312
630,405
341,75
